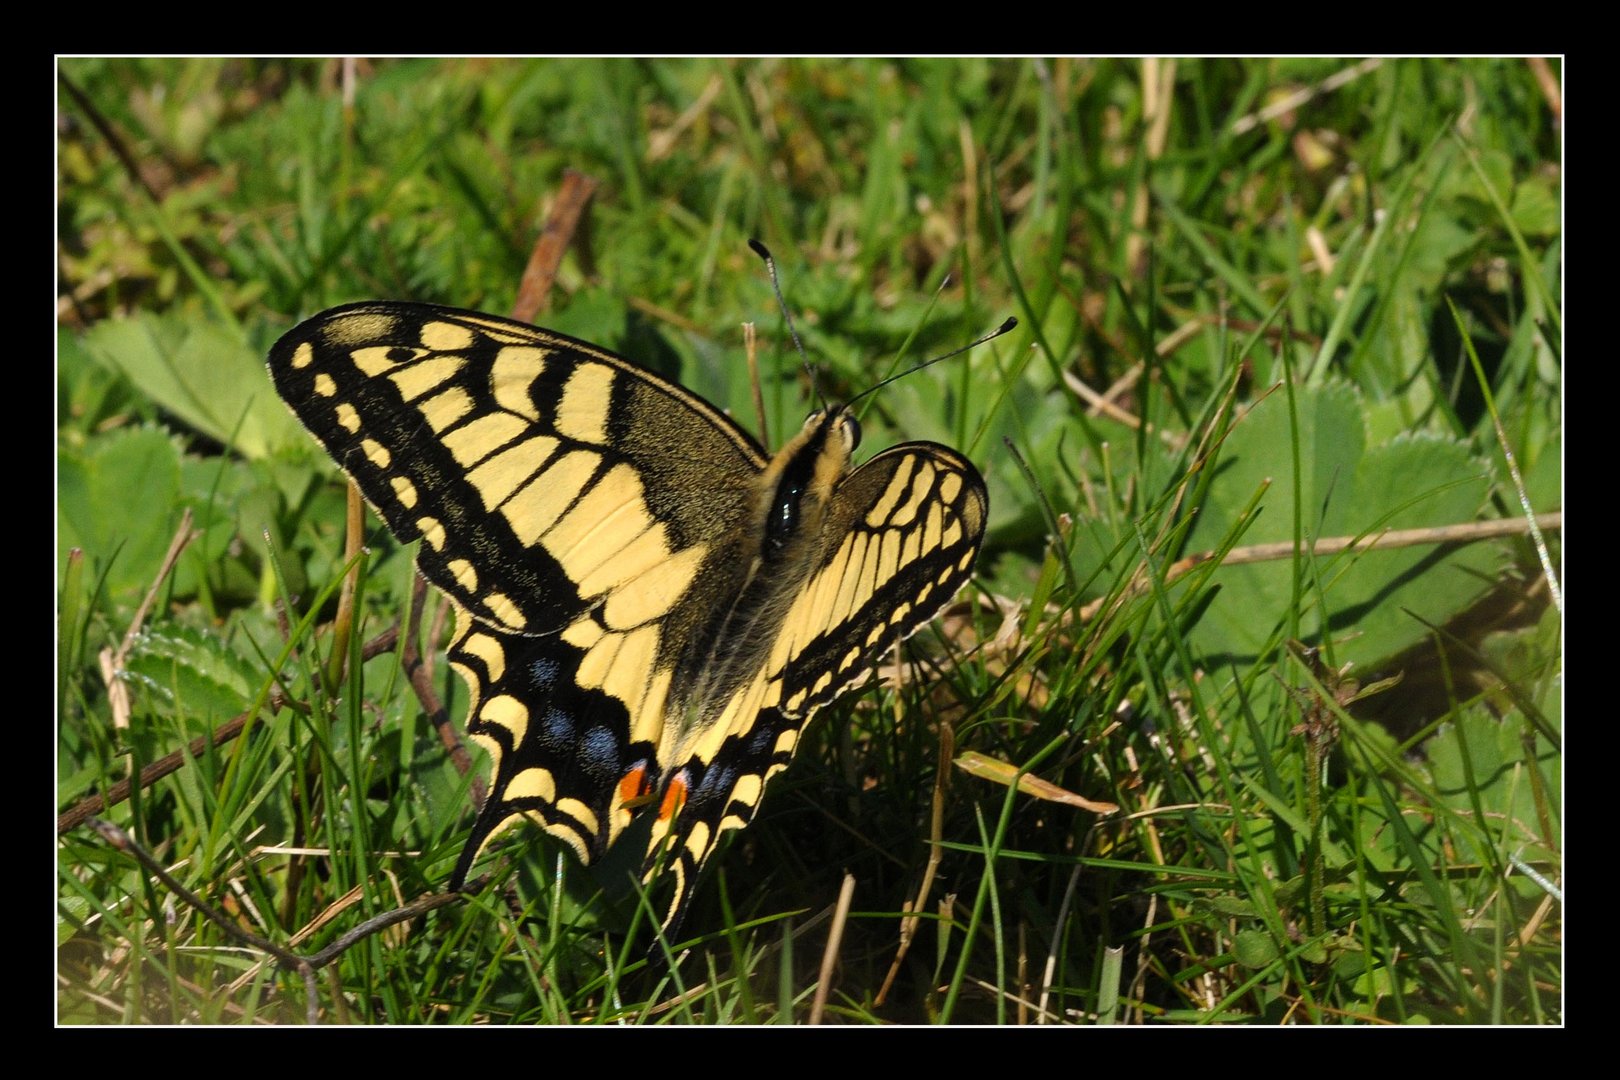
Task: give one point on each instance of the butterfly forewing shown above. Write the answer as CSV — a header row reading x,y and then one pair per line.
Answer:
x,y
539,471
648,609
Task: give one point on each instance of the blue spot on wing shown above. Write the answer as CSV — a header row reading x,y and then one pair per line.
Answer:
x,y
543,670
763,739
718,781
599,755
557,730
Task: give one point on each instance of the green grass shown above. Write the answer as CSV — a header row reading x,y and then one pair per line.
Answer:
x,y
1239,325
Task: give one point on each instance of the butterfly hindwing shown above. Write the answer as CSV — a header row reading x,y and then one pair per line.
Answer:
x,y
905,529
649,610
562,752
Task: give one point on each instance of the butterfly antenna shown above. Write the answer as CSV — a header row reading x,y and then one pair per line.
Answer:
x,y
776,286
991,336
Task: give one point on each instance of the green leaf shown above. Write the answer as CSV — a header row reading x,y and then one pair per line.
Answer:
x,y
1233,906
71,912
1482,757
1536,209
201,373
116,500
1376,600
1254,949
188,673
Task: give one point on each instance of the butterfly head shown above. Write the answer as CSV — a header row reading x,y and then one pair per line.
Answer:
x,y
835,425
800,480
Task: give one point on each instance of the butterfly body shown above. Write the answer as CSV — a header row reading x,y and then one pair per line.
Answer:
x,y
649,608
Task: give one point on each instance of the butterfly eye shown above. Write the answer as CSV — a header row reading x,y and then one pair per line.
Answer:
x,y
849,428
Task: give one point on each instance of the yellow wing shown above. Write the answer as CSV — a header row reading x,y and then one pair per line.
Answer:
x,y
649,609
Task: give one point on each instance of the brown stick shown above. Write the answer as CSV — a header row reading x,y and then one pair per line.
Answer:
x,y
534,290
1391,538
410,658
293,961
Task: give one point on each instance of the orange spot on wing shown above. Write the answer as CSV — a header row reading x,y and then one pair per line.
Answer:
x,y
674,797
634,787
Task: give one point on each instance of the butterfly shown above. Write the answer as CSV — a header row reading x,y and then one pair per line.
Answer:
x,y
649,607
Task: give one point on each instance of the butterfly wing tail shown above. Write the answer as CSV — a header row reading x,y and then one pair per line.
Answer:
x,y
703,800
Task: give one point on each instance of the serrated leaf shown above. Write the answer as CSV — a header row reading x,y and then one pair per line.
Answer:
x,y
1494,773
1234,906
186,672
1346,491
